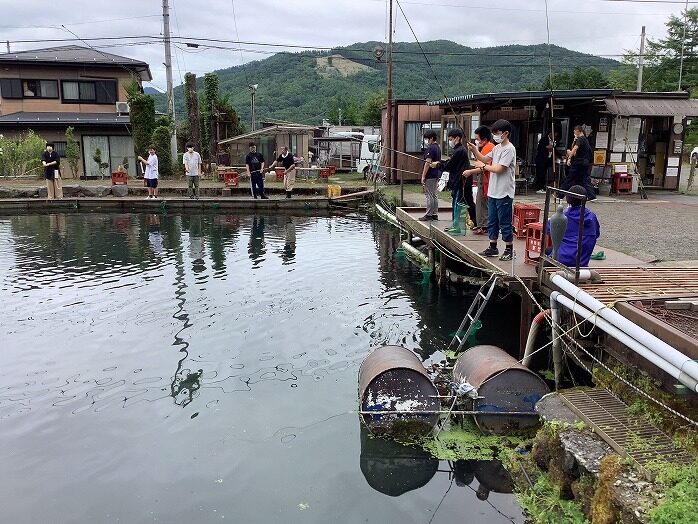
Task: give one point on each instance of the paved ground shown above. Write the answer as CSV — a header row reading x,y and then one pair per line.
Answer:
x,y
662,229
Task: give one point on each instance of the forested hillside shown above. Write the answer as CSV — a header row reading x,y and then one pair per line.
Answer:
x,y
305,87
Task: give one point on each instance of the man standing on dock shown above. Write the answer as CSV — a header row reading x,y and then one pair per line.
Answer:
x,y
286,159
430,175
192,168
51,162
500,193
455,166
254,163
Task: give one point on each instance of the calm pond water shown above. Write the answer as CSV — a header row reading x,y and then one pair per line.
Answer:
x,y
203,368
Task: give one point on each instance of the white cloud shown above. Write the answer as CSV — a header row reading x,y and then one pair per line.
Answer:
x,y
595,26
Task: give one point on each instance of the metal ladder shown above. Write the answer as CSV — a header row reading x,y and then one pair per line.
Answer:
x,y
479,302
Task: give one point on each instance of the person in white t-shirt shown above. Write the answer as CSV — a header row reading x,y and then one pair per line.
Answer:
x,y
192,167
151,172
501,165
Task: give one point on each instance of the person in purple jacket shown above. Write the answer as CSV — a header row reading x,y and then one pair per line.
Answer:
x,y
567,254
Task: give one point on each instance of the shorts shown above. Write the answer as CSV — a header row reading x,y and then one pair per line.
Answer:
x,y
152,183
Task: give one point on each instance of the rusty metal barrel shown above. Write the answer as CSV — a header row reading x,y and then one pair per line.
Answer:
x,y
503,385
394,384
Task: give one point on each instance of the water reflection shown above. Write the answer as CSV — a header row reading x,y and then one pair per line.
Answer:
x,y
393,468
289,251
256,246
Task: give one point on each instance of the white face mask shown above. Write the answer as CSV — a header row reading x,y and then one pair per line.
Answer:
x,y
477,143
190,149
426,142
451,143
498,138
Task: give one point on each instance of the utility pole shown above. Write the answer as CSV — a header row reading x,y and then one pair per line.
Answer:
x,y
253,91
388,139
641,62
683,41
339,118
168,73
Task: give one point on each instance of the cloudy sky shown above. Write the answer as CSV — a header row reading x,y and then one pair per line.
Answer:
x,y
132,27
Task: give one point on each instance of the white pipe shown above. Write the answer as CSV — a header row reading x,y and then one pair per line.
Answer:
x,y
532,334
415,253
639,348
557,343
666,352
387,215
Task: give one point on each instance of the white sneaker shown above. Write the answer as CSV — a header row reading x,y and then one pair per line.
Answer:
x,y
541,191
147,198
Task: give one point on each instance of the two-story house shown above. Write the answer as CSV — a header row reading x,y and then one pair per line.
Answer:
x,y
48,90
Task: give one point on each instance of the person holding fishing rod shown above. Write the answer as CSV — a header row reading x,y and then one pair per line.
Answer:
x,y
51,163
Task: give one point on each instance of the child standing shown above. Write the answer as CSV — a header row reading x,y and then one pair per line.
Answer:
x,y
500,163
151,172
192,167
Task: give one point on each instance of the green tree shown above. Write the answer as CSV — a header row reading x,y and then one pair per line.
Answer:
x,y
97,157
210,96
161,139
21,155
372,109
578,78
72,151
142,115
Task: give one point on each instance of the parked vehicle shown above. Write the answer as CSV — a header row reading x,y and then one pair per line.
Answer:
x,y
370,156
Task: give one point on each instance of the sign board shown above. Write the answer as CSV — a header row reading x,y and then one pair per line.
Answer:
x,y
678,147
600,157
603,124
558,107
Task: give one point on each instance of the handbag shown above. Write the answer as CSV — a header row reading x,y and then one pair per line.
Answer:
x,y
441,184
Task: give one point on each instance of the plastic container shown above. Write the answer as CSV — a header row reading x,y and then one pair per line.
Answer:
x,y
333,191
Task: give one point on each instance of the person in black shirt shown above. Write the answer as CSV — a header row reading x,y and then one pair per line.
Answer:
x,y
579,164
544,160
51,162
288,162
254,163
461,189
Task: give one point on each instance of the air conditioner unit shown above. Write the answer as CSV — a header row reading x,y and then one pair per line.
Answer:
x,y
122,108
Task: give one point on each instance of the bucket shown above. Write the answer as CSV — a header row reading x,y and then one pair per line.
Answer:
x,y
333,191
502,385
394,384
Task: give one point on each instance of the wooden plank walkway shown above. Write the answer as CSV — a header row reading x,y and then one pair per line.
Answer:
x,y
626,283
468,247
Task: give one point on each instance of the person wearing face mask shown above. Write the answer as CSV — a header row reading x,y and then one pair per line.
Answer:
x,y
579,163
483,141
287,161
544,154
431,175
192,167
455,165
500,163
51,162
254,163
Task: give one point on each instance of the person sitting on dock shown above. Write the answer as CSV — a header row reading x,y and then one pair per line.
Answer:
x,y
500,164
430,175
591,230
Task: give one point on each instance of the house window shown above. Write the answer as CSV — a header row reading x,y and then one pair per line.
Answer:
x,y
40,88
98,91
59,148
414,137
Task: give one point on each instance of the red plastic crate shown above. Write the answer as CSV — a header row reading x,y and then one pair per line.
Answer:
x,y
333,170
524,214
119,178
231,179
279,174
325,173
622,184
534,238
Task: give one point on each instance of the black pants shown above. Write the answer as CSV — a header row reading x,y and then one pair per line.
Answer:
x,y
541,176
257,183
468,198
579,174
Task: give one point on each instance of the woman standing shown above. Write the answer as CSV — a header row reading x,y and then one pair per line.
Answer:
x,y
579,164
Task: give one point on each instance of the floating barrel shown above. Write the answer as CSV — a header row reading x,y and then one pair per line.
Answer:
x,y
394,384
393,468
503,385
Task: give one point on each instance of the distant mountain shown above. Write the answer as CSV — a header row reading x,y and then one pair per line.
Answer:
x,y
300,87
151,91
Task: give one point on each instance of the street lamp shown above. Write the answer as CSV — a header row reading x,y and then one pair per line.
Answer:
x,y
253,90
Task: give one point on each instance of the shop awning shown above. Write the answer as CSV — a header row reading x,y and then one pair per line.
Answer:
x,y
652,107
